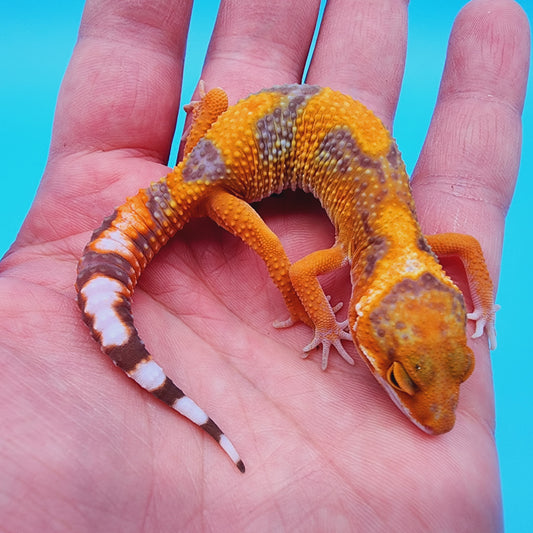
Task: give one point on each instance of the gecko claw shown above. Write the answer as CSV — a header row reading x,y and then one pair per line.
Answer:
x,y
336,307
281,324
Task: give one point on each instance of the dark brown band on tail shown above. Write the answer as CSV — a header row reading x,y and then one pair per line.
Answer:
x,y
168,392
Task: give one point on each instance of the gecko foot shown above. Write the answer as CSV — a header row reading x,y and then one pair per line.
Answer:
x,y
485,322
328,339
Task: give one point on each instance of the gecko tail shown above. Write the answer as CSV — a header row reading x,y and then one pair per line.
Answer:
x,y
107,274
151,377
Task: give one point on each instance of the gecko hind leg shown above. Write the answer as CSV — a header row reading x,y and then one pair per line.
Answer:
x,y
205,113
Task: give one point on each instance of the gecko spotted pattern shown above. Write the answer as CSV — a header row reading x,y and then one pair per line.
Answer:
x,y
406,318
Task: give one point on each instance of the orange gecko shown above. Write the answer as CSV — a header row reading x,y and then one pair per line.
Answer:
x,y
406,317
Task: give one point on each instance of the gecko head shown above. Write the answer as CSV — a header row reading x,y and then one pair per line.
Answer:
x,y
414,341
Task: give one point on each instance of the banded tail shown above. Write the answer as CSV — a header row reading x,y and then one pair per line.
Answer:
x,y
108,271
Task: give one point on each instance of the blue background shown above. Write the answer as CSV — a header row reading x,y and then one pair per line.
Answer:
x,y
36,40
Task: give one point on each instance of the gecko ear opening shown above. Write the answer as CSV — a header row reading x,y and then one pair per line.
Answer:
x,y
398,377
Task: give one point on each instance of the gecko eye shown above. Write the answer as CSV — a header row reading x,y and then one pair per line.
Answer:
x,y
399,379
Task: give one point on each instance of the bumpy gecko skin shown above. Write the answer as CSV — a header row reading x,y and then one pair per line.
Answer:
x,y
406,317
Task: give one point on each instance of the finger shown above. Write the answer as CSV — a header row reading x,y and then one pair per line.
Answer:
x,y
258,44
467,170
121,89
361,50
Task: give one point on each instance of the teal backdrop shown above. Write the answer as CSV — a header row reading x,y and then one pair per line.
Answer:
x,y
36,40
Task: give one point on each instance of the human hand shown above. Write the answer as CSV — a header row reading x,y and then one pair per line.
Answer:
x,y
83,448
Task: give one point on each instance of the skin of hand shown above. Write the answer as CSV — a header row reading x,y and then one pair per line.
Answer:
x,y
84,449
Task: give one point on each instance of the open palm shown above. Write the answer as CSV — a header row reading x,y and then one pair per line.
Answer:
x,y
83,448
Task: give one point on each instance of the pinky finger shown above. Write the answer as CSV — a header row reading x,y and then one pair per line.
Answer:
x,y
465,177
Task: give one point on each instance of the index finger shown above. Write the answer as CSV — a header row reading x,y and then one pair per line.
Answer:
x,y
122,87
115,115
